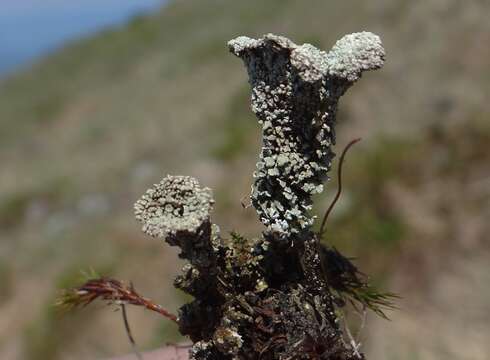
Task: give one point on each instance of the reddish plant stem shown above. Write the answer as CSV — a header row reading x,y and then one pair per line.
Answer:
x,y
112,291
339,189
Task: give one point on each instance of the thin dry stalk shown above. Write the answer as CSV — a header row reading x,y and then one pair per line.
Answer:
x,y
111,291
339,189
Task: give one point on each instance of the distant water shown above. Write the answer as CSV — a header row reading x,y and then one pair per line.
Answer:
x,y
30,29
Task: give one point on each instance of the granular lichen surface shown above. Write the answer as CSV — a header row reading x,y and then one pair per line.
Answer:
x,y
295,92
176,203
272,296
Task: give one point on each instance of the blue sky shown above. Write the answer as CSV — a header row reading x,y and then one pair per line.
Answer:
x,y
32,28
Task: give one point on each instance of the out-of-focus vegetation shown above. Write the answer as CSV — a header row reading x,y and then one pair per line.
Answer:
x,y
84,132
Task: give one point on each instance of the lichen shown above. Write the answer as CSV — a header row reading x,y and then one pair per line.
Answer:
x,y
295,91
175,204
270,297
354,54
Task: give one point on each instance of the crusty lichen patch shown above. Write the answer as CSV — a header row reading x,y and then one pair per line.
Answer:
x,y
355,53
176,203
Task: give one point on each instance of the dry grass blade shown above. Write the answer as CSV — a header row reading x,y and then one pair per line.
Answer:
x,y
112,292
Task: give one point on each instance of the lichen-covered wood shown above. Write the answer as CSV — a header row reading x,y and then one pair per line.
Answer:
x,y
271,297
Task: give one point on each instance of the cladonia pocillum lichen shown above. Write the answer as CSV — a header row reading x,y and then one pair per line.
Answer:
x,y
270,297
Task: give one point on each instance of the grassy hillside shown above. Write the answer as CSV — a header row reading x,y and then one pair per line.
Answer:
x,y
84,132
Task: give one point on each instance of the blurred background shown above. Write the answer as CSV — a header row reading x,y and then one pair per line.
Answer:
x,y
100,99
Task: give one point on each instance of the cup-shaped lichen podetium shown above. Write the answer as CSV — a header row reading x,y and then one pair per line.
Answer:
x,y
177,209
295,91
